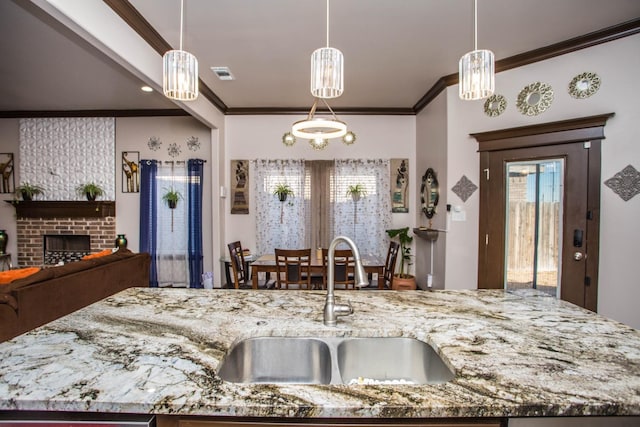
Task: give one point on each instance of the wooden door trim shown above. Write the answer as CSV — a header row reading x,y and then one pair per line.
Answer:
x,y
561,132
586,129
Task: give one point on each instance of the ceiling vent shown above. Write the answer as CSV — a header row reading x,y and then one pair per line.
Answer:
x,y
223,73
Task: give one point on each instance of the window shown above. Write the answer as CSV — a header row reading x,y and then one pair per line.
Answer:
x,y
321,208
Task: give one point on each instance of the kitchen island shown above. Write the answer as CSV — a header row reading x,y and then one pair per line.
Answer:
x,y
158,351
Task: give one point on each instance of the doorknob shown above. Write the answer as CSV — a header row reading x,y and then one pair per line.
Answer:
x,y
577,256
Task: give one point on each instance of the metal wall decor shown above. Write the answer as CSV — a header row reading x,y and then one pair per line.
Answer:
x,y
399,185
535,99
584,85
495,105
239,187
625,183
430,193
464,188
6,173
288,139
154,143
193,143
174,149
130,171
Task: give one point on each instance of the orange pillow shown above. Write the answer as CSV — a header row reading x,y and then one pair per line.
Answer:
x,y
9,276
98,254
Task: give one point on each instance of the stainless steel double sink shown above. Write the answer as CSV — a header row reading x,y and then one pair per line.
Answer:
x,y
314,360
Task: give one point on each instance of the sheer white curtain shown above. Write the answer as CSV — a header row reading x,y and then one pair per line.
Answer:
x,y
173,268
279,224
366,220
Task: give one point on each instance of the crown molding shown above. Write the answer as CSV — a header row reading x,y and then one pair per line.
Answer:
x,y
140,25
605,35
91,113
131,16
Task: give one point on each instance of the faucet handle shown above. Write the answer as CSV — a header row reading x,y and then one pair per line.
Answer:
x,y
343,309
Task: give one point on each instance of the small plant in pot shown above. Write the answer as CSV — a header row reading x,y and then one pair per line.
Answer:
x,y
29,191
403,280
90,190
356,192
282,191
171,196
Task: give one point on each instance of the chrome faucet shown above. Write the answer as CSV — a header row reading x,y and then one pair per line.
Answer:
x,y
331,309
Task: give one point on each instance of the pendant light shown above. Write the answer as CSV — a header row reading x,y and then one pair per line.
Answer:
x,y
180,71
477,75
327,70
327,81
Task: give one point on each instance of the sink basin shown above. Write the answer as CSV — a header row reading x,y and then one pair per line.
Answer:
x,y
309,360
278,360
391,360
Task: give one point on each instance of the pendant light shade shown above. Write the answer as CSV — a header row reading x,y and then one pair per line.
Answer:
x,y
476,68
180,71
477,75
180,75
327,71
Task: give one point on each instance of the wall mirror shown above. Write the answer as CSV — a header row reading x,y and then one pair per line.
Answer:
x,y
430,193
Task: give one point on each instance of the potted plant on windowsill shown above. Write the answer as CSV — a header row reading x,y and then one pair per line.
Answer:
x,y
29,191
403,280
90,190
282,191
171,196
356,192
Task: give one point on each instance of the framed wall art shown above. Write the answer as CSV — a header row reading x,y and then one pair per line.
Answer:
x,y
130,171
399,185
239,187
6,172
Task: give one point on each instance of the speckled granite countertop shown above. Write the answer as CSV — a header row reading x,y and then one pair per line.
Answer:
x,y
158,350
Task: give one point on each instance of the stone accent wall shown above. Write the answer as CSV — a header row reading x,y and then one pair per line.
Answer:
x,y
30,231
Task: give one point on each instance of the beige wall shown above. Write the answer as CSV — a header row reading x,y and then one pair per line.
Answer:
x,y
132,134
431,152
260,137
614,63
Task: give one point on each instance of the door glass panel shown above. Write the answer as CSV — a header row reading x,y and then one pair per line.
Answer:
x,y
533,225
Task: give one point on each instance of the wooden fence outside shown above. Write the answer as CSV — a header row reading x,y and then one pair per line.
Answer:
x,y
520,242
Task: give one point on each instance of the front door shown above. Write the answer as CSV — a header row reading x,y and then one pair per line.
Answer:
x,y
539,211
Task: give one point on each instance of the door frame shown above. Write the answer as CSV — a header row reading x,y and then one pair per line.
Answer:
x,y
588,130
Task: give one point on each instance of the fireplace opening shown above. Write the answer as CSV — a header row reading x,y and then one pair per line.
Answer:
x,y
65,247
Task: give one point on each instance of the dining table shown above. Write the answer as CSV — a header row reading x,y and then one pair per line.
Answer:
x,y
267,264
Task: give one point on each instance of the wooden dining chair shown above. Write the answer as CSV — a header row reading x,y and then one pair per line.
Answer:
x,y
239,267
390,264
344,268
293,268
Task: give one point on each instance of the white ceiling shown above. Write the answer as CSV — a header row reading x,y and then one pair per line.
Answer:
x,y
395,50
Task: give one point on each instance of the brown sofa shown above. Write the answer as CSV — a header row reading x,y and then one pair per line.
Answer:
x,y
54,292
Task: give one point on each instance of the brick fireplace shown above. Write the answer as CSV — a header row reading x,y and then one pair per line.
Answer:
x,y
36,219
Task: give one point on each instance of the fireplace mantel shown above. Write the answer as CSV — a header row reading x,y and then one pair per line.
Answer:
x,y
63,209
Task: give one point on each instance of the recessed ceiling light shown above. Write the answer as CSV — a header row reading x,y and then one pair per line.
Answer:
x,y
146,89
223,73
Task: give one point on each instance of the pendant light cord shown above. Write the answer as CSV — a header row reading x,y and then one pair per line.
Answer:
x,y
327,23
181,20
475,24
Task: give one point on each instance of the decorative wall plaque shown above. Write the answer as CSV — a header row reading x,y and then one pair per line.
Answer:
x,y
399,185
239,187
534,99
130,171
584,85
625,183
6,173
495,105
464,188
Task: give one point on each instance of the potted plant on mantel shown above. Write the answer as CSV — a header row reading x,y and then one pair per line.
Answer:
x,y
91,190
29,191
171,196
356,192
282,191
403,280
